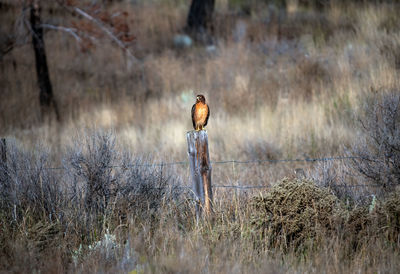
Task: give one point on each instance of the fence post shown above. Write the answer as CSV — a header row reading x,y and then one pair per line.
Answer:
x,y
3,166
200,170
3,151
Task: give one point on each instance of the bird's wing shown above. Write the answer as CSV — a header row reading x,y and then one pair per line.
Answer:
x,y
208,115
193,110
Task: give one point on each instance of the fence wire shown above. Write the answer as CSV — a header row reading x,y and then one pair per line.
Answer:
x,y
262,186
324,159
165,164
239,187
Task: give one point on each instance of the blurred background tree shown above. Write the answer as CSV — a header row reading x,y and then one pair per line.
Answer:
x,y
46,97
87,22
199,20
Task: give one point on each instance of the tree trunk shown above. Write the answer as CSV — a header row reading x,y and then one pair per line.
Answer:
x,y
199,20
46,97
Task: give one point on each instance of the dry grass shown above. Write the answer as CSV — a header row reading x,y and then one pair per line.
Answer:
x,y
293,93
275,91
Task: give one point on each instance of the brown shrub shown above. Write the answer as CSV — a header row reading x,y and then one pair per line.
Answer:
x,y
379,220
294,212
298,215
390,217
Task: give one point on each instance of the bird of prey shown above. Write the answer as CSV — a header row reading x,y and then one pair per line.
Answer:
x,y
200,113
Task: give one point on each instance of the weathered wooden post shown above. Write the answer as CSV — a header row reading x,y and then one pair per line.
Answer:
x,y
3,150
3,163
200,169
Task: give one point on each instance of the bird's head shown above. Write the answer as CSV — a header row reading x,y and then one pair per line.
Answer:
x,y
200,98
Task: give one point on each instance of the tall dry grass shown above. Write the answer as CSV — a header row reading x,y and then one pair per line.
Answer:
x,y
292,90
107,212
297,94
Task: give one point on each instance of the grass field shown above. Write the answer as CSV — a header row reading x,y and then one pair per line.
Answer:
x,y
311,84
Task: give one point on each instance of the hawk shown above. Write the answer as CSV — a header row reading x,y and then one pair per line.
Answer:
x,y
200,113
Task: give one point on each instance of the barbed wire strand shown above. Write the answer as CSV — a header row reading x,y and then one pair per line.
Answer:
x,y
163,164
269,186
261,186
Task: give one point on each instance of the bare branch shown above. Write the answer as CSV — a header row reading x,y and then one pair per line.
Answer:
x,y
7,43
107,31
18,37
70,31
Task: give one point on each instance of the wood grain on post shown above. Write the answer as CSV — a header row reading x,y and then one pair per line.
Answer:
x,y
200,169
3,161
3,150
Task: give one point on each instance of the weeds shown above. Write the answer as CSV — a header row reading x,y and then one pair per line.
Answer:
x,y
97,190
138,217
278,88
28,186
379,149
91,163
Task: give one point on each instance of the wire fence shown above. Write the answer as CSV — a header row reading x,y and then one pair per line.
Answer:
x,y
324,159
239,162
268,186
180,163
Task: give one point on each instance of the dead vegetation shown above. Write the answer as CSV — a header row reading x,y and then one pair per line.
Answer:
x,y
105,211
295,86
299,216
294,213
